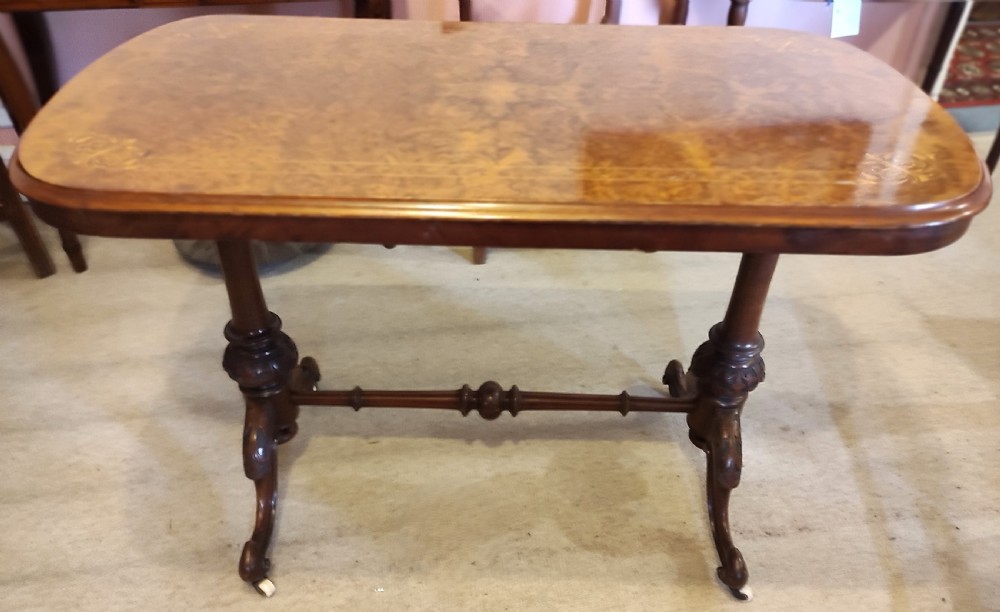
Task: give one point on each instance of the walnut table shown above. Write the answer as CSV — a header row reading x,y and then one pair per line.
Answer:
x,y
702,139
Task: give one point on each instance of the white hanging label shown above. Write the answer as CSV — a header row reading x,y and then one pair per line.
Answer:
x,y
846,18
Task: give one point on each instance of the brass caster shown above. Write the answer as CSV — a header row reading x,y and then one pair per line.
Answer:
x,y
265,587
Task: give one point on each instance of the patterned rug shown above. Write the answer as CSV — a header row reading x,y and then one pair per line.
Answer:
x,y
974,74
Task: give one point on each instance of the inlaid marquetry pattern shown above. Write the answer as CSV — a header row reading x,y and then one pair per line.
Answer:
x,y
885,170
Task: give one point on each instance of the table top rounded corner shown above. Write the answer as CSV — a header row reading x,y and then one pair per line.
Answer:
x,y
519,123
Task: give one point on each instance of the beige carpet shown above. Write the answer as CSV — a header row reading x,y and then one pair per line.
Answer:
x,y
871,478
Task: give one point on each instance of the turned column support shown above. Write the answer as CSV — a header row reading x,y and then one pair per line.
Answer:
x,y
726,369
261,359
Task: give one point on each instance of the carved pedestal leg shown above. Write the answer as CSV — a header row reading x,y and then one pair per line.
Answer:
x,y
727,368
260,358
260,465
726,373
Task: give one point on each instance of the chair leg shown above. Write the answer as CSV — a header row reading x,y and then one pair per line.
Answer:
x,y
24,227
994,155
373,9
73,250
737,12
478,255
21,105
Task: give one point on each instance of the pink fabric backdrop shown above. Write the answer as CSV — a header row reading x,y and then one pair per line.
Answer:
x,y
901,34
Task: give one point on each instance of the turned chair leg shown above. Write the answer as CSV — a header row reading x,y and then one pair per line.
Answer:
x,y
74,251
262,360
726,369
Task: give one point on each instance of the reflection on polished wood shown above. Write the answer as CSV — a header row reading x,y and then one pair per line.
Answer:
x,y
760,141
507,123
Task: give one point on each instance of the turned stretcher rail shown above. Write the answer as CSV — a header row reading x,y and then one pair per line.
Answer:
x,y
490,400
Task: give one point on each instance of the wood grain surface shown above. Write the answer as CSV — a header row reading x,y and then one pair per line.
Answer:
x,y
517,123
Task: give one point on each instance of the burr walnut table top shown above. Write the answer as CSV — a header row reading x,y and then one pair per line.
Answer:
x,y
501,134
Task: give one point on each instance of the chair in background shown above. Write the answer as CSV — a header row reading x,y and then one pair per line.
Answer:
x,y
21,106
14,211
19,97
30,21
951,31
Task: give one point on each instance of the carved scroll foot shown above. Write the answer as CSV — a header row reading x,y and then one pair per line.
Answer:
x,y
261,361
260,463
305,376
725,372
724,460
678,383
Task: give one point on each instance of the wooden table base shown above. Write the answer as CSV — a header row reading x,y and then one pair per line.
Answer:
x,y
265,363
